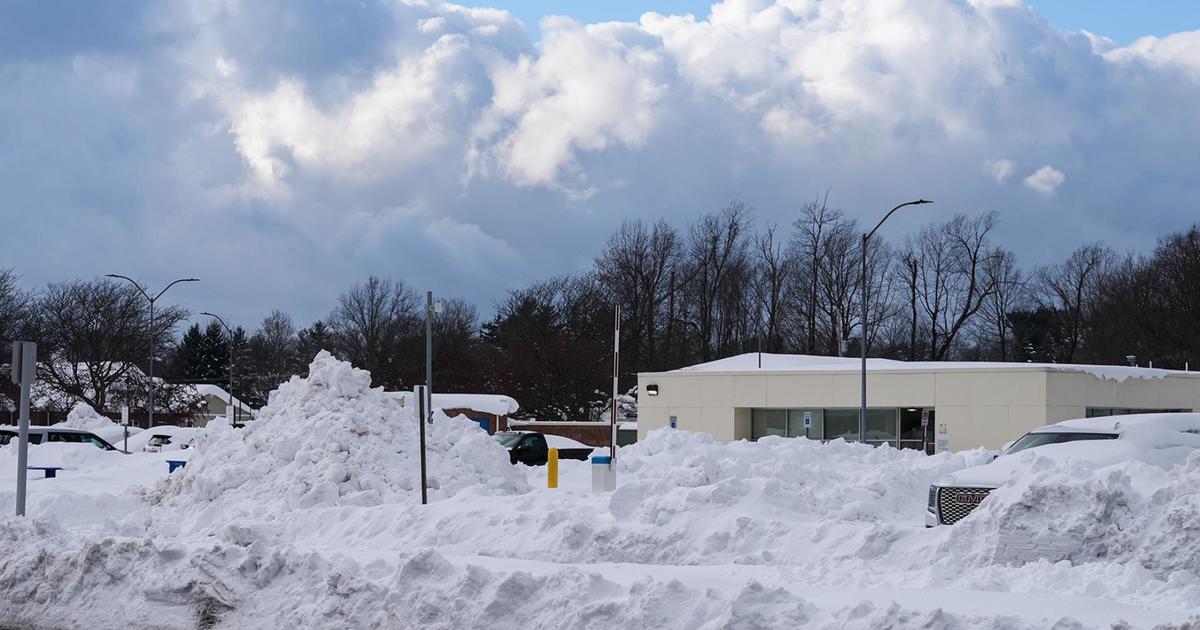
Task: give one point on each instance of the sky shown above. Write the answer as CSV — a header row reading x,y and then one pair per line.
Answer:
x,y
1120,20
282,151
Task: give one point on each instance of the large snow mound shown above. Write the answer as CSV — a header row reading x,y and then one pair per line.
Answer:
x,y
332,440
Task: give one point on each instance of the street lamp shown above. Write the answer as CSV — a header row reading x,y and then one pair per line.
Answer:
x,y
152,300
229,332
862,413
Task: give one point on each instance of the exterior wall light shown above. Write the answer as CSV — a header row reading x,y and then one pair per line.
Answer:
x,y
652,390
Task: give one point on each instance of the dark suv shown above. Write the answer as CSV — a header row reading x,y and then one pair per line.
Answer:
x,y
526,447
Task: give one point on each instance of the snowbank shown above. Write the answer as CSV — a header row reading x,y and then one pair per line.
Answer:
x,y
331,440
309,518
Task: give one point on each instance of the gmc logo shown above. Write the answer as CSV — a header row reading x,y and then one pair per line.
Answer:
x,y
963,498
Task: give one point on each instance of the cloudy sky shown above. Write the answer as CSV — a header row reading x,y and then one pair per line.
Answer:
x,y
282,150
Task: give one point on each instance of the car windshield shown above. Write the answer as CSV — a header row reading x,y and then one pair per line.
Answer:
x,y
1031,440
508,439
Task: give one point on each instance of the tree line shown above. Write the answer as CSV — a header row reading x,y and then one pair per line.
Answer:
x,y
723,284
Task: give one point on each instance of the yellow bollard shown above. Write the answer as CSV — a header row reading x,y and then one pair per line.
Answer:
x,y
552,468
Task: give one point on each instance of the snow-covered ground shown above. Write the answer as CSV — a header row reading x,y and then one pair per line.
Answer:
x,y
310,517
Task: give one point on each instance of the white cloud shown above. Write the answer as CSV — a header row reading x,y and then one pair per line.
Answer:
x,y
221,128
999,169
1046,180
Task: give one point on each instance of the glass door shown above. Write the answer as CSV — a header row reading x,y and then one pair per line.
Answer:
x,y
916,428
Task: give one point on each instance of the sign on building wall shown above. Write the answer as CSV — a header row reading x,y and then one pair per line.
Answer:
x,y
674,422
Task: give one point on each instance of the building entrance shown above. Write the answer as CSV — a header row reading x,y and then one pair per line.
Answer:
x,y
916,428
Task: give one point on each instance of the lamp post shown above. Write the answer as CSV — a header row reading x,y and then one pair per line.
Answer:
x,y
229,332
862,413
152,300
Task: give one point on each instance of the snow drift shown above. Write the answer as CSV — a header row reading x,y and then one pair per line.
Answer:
x,y
332,440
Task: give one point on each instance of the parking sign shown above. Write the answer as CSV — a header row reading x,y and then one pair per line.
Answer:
x,y
807,419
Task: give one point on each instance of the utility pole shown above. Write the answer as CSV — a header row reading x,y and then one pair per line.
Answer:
x,y
152,300
612,434
862,413
23,370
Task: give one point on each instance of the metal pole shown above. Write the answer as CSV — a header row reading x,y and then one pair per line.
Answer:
x,y
151,407
26,351
420,398
612,434
230,333
862,413
428,359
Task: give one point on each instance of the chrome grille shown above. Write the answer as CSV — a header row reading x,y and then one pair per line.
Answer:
x,y
954,504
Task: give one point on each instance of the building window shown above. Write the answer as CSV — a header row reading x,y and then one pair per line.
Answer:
x,y
1100,412
764,422
796,423
883,424
841,423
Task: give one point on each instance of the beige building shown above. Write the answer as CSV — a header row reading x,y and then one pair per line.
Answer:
x,y
922,405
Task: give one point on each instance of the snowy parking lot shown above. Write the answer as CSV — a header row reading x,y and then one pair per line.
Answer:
x,y
310,518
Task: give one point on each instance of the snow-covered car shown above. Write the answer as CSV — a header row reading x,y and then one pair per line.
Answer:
x,y
46,435
1163,440
164,437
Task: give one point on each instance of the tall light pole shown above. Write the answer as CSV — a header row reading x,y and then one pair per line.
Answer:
x,y
228,331
862,413
152,300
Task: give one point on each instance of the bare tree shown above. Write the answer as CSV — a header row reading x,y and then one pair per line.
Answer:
x,y
772,266
1072,288
15,308
952,261
809,244
1009,294
94,335
369,324
271,356
636,268
716,248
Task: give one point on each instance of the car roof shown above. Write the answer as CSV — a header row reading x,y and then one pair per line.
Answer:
x,y
46,429
1119,424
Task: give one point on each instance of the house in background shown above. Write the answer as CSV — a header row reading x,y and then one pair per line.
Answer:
x,y
215,404
491,411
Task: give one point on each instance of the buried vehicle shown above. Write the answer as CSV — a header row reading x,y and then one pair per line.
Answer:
x,y
533,449
47,435
1158,439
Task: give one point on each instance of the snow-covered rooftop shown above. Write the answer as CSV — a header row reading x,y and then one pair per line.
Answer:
x,y
749,362
495,404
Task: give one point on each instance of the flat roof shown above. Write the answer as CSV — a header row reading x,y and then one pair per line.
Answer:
x,y
804,363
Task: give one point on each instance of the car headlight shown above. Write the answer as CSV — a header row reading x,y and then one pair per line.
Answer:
x,y
933,496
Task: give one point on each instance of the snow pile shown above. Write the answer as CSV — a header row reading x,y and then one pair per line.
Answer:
x,y
83,416
331,440
1067,509
683,498
794,476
